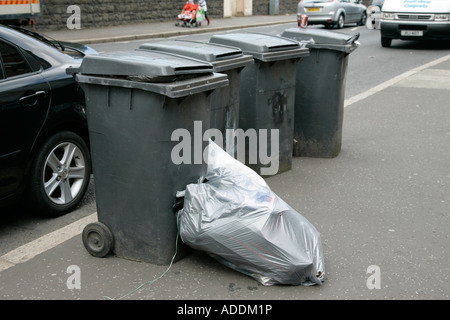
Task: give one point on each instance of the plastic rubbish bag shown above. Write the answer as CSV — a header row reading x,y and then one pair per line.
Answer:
x,y
235,217
200,16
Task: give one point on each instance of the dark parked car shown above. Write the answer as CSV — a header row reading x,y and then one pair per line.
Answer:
x,y
44,146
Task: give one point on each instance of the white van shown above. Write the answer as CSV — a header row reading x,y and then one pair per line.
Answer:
x,y
415,20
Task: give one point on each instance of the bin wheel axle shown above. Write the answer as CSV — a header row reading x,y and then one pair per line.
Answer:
x,y
98,239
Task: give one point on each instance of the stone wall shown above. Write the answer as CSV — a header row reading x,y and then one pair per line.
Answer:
x,y
98,13
261,7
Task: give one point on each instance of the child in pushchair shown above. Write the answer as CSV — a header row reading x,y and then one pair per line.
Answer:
x,y
182,16
191,15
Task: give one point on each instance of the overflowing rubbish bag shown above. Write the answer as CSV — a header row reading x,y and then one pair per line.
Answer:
x,y
233,215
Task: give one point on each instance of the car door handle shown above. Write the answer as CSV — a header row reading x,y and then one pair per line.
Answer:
x,y
32,99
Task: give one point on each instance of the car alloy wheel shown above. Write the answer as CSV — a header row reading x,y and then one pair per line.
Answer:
x,y
341,22
60,175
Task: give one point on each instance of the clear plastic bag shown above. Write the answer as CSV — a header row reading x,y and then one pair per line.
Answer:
x,y
235,217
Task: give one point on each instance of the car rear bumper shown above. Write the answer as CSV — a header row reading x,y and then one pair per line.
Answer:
x,y
319,19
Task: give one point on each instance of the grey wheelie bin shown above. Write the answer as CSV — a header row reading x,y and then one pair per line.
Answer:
x,y
320,93
267,93
225,100
141,106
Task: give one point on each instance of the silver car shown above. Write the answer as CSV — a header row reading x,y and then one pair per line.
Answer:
x,y
332,13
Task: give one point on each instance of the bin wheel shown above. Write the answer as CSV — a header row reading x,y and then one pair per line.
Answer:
x,y
98,239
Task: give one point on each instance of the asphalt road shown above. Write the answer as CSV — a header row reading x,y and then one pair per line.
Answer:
x,y
369,66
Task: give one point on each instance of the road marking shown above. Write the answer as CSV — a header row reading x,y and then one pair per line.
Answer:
x,y
44,243
393,81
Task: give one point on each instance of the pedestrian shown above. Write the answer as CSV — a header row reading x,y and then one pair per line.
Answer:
x,y
202,5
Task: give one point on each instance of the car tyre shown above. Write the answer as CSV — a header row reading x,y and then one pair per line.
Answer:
x,y
386,42
340,22
60,175
363,20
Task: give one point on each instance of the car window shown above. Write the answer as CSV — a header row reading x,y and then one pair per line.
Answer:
x,y
13,62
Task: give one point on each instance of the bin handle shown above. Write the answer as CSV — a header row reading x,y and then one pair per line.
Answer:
x,y
353,38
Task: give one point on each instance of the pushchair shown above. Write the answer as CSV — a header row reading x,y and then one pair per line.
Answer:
x,y
190,16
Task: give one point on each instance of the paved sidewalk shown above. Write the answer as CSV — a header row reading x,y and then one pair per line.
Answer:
x,y
161,29
382,205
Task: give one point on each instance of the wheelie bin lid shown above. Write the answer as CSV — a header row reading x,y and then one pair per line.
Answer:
x,y
263,47
323,39
160,72
220,56
141,63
